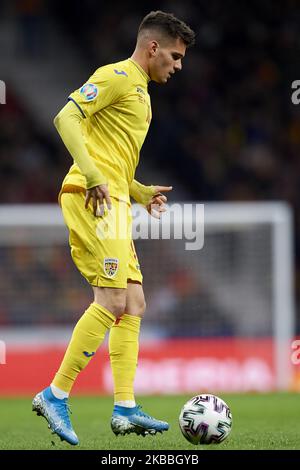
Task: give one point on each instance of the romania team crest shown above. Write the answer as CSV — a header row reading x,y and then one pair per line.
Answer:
x,y
89,91
111,266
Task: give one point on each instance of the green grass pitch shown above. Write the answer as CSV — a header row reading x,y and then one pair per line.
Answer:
x,y
267,421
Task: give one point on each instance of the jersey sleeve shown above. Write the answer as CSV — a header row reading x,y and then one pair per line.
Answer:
x,y
105,87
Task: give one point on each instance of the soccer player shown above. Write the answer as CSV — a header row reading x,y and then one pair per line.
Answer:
x,y
103,126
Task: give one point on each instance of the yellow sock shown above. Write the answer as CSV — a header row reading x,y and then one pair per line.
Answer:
x,y
87,336
123,351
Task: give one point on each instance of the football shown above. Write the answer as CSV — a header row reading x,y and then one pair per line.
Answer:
x,y
205,419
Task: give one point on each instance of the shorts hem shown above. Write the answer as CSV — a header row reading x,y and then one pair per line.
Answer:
x,y
134,281
98,282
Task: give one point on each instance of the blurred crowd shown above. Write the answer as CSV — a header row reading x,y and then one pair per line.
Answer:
x,y
31,165
225,125
39,286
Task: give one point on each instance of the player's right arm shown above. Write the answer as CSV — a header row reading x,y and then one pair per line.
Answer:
x,y
67,123
103,88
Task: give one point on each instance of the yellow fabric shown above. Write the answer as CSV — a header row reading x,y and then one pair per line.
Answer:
x,y
141,193
101,247
116,114
87,336
70,188
123,351
68,124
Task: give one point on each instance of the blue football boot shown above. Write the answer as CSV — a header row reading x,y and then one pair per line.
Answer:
x,y
127,420
56,412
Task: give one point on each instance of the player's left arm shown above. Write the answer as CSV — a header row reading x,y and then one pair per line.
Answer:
x,y
151,197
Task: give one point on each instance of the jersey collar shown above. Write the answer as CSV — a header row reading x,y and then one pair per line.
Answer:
x,y
145,75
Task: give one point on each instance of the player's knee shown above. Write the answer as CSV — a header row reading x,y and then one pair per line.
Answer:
x,y
112,299
141,307
137,308
117,307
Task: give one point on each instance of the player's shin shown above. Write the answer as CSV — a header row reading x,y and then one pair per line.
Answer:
x,y
87,336
123,351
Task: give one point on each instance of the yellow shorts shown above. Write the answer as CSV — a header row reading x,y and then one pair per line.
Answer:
x,y
101,247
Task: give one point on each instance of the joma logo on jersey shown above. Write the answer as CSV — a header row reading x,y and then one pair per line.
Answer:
x,y
2,92
120,72
111,266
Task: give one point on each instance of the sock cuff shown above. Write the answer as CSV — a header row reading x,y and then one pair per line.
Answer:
x,y
107,317
130,321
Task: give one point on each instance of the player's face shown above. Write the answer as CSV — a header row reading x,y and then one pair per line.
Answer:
x,y
166,60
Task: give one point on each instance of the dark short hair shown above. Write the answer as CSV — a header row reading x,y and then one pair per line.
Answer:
x,y
168,25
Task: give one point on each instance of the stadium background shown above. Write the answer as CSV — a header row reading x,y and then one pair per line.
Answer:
x,y
224,129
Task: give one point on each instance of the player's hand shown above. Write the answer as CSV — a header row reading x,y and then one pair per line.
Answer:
x,y
97,195
158,201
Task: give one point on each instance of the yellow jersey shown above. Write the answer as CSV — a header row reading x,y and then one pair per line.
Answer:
x,y
116,107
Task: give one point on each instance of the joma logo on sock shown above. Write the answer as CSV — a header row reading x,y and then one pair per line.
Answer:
x,y
87,354
2,92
